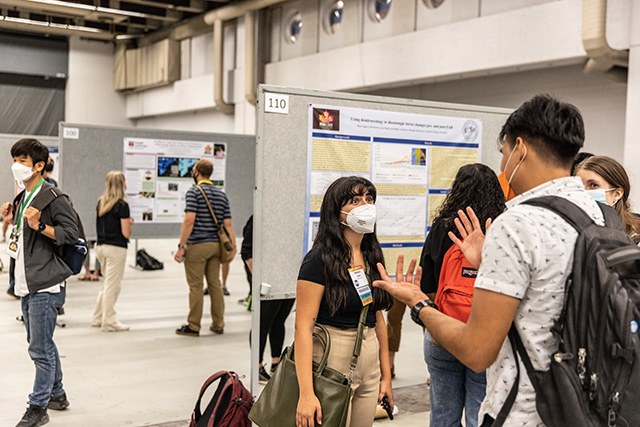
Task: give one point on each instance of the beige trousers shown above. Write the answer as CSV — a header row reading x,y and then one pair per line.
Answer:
x,y
203,260
112,261
366,378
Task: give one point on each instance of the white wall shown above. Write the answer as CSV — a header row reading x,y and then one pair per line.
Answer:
x,y
468,51
208,120
90,97
601,100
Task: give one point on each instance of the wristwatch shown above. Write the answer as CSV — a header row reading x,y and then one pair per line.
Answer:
x,y
415,310
181,246
42,227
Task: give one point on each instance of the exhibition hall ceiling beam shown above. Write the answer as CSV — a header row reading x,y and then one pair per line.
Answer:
x,y
102,19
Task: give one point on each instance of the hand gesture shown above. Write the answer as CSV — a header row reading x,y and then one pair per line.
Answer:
x,y
32,215
6,210
407,287
472,236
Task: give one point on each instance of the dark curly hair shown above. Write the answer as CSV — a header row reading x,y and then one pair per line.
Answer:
x,y
477,186
335,249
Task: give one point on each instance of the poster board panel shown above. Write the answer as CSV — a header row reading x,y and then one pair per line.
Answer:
x,y
283,163
88,153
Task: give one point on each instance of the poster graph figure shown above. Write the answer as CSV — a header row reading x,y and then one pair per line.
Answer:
x,y
418,157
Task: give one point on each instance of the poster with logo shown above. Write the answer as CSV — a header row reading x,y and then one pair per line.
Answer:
x,y
412,160
159,173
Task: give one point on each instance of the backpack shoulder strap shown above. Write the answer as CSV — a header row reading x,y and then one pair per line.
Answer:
x,y
570,212
45,197
611,217
202,418
511,397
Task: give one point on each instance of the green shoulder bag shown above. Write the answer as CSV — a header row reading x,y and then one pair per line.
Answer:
x,y
278,402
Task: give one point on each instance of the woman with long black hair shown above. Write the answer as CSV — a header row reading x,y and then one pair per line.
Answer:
x,y
326,295
455,387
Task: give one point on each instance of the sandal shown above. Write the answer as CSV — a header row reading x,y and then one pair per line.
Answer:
x,y
84,278
94,279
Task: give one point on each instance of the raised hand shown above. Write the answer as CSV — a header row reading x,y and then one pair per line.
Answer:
x,y
471,234
406,288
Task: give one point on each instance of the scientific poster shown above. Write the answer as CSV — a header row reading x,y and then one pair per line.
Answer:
x,y
412,160
159,173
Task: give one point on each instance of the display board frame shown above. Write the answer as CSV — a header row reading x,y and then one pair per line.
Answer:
x,y
282,165
88,152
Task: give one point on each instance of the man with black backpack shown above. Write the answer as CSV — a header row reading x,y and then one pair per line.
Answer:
x,y
40,272
565,286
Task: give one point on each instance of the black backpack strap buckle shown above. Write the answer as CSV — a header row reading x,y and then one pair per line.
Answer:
x,y
625,353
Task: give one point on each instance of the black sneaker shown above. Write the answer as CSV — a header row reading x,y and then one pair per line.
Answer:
x,y
34,417
186,330
225,291
273,368
263,377
206,291
58,403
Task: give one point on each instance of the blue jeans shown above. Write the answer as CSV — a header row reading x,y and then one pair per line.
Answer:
x,y
39,312
453,387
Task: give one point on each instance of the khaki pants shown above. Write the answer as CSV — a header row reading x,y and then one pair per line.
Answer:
x,y
203,260
366,378
112,261
394,324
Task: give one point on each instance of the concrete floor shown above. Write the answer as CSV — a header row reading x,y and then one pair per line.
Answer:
x,y
149,375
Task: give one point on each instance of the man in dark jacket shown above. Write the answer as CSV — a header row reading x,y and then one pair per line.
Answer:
x,y
40,273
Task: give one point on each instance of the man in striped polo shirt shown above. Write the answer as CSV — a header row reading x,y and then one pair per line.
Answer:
x,y
199,248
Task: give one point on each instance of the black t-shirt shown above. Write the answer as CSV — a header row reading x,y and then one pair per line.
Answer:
x,y
109,226
246,251
347,317
435,247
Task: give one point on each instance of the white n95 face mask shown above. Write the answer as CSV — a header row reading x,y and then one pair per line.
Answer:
x,y
21,172
361,219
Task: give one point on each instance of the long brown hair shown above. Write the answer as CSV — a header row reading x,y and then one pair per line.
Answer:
x,y
616,176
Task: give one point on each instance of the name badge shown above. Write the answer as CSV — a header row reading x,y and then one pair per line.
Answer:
x,y
12,248
359,279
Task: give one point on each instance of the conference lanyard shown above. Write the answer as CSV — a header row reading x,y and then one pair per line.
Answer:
x,y
205,181
24,205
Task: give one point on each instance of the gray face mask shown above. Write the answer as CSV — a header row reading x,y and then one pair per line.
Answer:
x,y
362,219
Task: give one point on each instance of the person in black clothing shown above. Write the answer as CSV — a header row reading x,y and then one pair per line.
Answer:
x,y
334,284
273,313
48,170
455,387
113,226
246,252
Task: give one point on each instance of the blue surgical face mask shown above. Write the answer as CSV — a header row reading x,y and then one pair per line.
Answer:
x,y
599,195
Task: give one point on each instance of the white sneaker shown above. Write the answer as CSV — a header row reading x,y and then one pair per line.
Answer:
x,y
117,327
